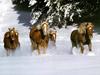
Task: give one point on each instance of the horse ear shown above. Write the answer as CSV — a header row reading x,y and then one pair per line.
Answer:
x,y
13,28
9,29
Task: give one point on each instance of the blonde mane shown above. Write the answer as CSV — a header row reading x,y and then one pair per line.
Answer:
x,y
82,28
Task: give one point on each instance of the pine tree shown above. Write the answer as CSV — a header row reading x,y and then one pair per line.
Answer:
x,y
62,12
22,5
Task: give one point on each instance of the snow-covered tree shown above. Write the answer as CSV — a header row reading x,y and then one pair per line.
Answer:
x,y
62,12
22,4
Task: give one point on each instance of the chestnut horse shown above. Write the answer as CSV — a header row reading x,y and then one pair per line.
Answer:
x,y
39,37
82,36
11,40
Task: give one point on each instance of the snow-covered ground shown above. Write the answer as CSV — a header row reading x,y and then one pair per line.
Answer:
x,y
57,61
48,65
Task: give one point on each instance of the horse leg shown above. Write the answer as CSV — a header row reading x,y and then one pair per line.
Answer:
x,y
33,45
8,52
71,52
38,46
18,44
74,44
44,51
55,40
82,48
45,47
90,45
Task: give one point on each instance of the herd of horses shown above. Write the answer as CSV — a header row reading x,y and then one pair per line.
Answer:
x,y
41,34
39,37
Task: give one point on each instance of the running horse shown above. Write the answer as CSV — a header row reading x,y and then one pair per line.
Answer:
x,y
11,40
39,37
82,36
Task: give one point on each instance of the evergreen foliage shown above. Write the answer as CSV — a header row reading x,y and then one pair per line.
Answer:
x,y
61,12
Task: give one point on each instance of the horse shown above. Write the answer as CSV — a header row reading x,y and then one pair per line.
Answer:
x,y
11,40
39,37
53,35
82,36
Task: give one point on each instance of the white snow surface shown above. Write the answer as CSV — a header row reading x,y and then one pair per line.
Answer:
x,y
57,61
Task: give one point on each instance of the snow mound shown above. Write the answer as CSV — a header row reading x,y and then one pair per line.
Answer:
x,y
91,54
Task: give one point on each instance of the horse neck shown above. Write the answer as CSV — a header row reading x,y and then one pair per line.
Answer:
x,y
87,35
42,34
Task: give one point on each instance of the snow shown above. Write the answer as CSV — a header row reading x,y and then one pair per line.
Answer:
x,y
32,2
49,65
57,61
36,15
48,3
67,9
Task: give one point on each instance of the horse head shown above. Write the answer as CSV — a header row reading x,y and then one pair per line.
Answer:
x,y
12,34
89,29
44,27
